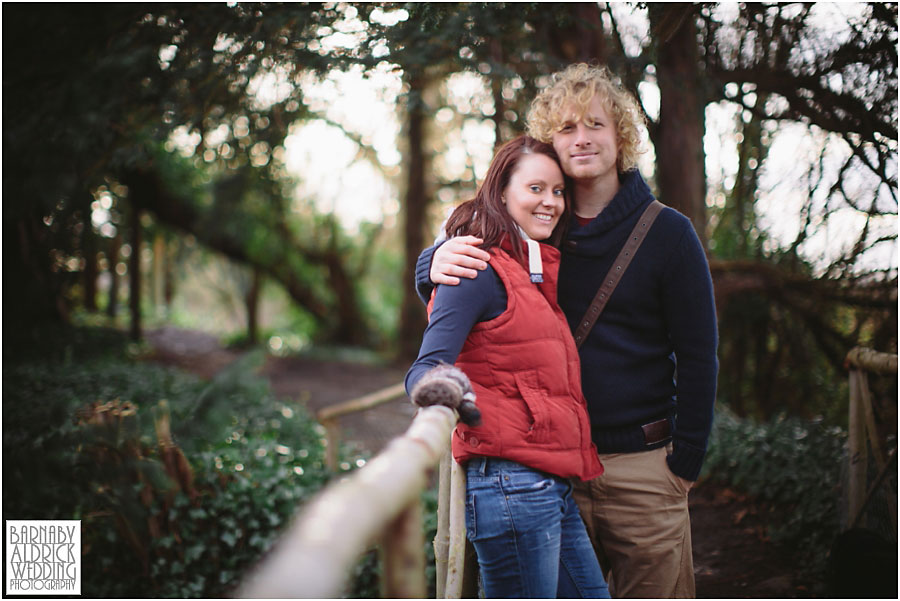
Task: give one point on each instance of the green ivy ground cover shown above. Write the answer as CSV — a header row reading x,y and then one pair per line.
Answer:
x,y
79,442
792,468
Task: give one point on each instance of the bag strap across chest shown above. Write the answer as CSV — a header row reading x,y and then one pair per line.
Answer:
x,y
635,238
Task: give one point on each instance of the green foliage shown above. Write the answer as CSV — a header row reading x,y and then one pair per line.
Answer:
x,y
381,293
430,507
366,577
74,129
250,487
771,360
80,442
253,458
793,468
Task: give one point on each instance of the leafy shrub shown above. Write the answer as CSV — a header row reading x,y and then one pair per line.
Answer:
x,y
82,424
793,467
81,441
430,506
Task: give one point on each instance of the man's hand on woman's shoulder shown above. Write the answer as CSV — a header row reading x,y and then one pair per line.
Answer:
x,y
456,258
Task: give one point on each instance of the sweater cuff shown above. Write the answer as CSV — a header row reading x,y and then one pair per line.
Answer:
x,y
424,285
685,461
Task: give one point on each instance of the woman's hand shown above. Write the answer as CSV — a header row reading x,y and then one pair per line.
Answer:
x,y
448,386
458,257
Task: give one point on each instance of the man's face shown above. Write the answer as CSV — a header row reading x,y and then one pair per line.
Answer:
x,y
586,144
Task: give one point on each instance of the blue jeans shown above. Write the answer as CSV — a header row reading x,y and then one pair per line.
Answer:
x,y
528,534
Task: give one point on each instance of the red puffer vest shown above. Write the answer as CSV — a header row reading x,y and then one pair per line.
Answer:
x,y
525,371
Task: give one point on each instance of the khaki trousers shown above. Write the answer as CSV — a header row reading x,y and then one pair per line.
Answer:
x,y
637,517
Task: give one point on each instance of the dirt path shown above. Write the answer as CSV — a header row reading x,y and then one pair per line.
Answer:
x,y
311,382
732,558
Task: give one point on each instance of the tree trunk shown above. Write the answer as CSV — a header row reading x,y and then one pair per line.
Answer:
x,y
584,41
412,314
497,93
160,259
169,275
112,306
134,274
351,328
591,39
252,303
38,295
680,170
89,254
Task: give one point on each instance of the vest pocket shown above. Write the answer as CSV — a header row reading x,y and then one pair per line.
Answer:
x,y
536,403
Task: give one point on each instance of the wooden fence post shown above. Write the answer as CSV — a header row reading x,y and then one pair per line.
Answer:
x,y
456,563
863,432
882,474
332,441
455,560
159,270
442,536
403,559
865,400
858,450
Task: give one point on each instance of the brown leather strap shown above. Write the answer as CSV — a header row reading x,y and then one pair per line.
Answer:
x,y
618,268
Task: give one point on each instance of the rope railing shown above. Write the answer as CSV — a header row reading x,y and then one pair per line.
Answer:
x,y
378,502
863,433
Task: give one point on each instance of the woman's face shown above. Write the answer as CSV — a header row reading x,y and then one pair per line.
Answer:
x,y
534,195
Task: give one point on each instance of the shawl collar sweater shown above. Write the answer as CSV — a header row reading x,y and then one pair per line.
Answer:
x,y
660,317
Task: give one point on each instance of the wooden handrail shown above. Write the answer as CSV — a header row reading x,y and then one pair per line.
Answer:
x,y
364,402
318,551
328,417
871,360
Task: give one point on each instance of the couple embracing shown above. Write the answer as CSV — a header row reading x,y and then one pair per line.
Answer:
x,y
581,451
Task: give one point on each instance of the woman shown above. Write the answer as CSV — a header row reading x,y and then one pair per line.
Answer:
x,y
505,331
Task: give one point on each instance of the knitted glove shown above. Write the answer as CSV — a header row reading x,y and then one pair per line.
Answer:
x,y
447,385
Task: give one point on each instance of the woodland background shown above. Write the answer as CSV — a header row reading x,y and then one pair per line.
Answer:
x,y
147,176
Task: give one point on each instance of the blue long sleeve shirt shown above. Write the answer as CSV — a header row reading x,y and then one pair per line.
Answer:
x,y
455,311
661,315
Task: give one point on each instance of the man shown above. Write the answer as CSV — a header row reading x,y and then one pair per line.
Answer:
x,y
650,427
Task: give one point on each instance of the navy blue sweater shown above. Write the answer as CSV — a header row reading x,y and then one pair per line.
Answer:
x,y
661,313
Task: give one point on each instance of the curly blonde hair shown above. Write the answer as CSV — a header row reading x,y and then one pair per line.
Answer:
x,y
578,84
